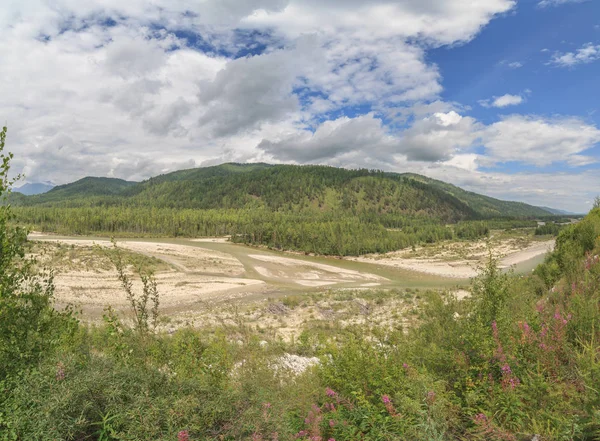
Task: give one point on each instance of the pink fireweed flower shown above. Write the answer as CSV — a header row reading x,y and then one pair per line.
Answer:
x,y
183,435
389,406
495,328
480,417
330,393
505,369
331,423
60,372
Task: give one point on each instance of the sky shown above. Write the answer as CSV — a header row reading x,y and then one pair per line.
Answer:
x,y
499,97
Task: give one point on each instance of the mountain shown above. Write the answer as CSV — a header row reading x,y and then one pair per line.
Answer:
x,y
34,188
484,205
289,188
557,211
80,190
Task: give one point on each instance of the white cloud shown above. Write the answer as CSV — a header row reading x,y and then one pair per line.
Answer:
x,y
585,54
515,65
333,138
568,191
540,141
436,22
438,137
345,83
503,101
545,3
97,85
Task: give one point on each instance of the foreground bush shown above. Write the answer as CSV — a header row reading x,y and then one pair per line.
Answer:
x,y
29,326
506,364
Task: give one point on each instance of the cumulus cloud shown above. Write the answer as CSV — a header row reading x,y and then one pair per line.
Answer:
x,y
502,101
94,84
438,137
333,138
133,88
247,92
436,22
540,141
585,54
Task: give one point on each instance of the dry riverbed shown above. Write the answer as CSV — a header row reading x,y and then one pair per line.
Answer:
x,y
187,276
200,280
461,260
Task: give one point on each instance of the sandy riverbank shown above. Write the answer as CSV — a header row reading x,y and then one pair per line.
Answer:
x,y
187,274
460,266
193,275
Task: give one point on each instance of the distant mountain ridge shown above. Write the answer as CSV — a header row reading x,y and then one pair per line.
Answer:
x,y
34,188
288,188
557,211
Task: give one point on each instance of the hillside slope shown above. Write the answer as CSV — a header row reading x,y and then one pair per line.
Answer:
x,y
485,206
289,188
80,190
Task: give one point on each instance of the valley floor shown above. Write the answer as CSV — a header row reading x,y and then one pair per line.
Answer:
x,y
462,260
280,291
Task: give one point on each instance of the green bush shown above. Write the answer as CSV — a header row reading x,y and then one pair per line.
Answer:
x,y
29,325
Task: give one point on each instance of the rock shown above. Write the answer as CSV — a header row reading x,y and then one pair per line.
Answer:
x,y
295,363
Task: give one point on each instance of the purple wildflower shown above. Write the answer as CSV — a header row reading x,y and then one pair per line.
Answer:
x,y
60,372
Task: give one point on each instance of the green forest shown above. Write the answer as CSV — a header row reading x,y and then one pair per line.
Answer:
x,y
313,209
517,360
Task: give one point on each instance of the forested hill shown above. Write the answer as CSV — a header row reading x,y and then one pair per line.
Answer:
x,y
286,188
484,205
78,190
